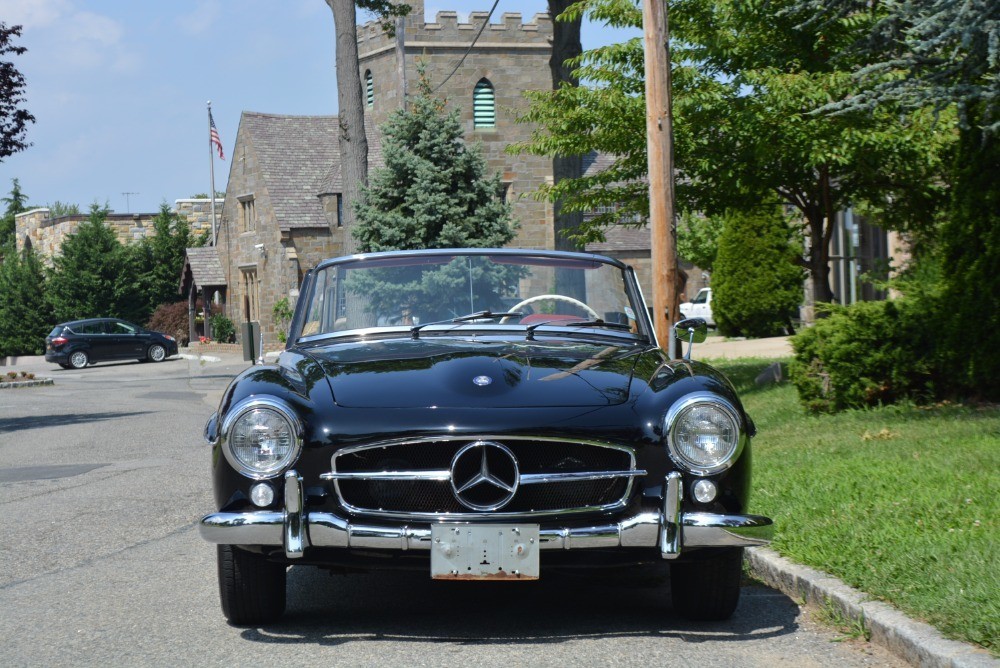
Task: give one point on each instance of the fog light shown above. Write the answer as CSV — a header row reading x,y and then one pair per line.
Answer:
x,y
704,491
263,495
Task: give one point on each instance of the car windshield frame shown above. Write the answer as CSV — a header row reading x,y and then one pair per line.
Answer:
x,y
495,326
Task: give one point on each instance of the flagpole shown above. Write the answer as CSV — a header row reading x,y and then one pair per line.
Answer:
x,y
211,168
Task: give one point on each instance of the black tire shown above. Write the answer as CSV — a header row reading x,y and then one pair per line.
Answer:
x,y
78,359
156,353
251,588
707,589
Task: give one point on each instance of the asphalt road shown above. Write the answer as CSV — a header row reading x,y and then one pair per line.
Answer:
x,y
104,475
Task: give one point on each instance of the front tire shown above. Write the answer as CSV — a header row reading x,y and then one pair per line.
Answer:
x,y
79,359
156,353
251,588
707,589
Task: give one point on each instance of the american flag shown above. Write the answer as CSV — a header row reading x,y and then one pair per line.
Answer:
x,y
214,135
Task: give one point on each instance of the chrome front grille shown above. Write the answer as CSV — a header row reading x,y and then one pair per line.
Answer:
x,y
464,478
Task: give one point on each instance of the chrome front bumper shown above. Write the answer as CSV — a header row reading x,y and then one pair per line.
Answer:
x,y
668,528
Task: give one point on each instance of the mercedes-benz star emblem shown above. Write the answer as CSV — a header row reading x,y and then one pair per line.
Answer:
x,y
484,475
482,381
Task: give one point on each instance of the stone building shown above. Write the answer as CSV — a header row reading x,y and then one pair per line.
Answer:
x,y
45,234
281,214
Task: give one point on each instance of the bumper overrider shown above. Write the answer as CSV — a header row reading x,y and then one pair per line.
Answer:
x,y
668,528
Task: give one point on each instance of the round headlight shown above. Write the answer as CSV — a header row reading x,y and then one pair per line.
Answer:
x,y
262,438
703,434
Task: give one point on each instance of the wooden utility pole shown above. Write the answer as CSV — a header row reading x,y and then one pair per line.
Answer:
x,y
659,140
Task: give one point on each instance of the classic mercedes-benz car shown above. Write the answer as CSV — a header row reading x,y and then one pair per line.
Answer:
x,y
479,414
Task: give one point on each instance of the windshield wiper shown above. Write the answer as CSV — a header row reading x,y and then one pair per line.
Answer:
x,y
530,330
478,315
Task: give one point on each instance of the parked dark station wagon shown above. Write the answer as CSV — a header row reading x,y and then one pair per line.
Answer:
x,y
81,342
479,415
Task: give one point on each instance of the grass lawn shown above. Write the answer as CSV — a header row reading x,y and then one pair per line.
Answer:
x,y
900,502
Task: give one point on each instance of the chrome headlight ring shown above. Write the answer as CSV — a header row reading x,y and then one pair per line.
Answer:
x,y
260,413
721,427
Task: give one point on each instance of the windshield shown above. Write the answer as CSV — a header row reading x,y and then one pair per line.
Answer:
x,y
424,292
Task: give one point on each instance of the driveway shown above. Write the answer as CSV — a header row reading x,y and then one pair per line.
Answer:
x,y
104,475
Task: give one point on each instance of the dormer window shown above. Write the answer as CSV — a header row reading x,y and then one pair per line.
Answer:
x,y
484,105
369,90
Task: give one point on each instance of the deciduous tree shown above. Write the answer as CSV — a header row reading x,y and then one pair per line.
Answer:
x,y
746,81
14,118
351,115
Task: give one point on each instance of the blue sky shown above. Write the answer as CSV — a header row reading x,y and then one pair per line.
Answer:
x,y
119,88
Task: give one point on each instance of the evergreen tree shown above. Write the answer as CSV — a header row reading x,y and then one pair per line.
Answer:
x,y
25,316
970,259
92,276
756,286
166,251
433,192
16,203
948,52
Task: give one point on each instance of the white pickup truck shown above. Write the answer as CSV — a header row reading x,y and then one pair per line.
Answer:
x,y
700,307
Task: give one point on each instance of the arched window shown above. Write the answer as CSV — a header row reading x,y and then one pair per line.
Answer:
x,y
369,89
484,105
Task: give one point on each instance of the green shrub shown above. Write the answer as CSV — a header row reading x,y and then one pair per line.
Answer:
x,y
282,313
757,283
223,329
866,354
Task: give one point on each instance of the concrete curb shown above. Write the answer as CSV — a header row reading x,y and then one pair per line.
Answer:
x,y
917,643
15,384
206,358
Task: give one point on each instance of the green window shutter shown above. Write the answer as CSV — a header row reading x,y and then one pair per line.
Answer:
x,y
369,89
484,105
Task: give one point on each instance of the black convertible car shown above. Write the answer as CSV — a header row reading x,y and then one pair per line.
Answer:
x,y
479,415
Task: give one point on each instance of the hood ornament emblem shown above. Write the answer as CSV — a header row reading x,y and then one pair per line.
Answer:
x,y
484,476
482,381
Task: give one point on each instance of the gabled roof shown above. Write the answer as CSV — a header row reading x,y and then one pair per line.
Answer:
x,y
298,156
204,267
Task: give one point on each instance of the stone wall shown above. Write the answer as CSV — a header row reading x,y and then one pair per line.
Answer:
x,y
46,235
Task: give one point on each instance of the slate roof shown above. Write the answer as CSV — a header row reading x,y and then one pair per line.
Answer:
x,y
297,157
205,267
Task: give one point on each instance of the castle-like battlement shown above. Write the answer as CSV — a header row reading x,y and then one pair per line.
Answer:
x,y
446,29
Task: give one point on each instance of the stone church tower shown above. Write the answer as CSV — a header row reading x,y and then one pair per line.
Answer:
x,y
485,83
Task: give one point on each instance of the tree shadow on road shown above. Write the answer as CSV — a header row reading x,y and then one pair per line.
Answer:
x,y
8,425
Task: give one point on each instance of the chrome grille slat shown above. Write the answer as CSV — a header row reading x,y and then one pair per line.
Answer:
x,y
387,479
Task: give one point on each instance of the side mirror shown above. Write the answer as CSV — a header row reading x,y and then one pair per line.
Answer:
x,y
692,330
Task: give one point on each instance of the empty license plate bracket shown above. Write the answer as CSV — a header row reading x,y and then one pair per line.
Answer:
x,y
484,552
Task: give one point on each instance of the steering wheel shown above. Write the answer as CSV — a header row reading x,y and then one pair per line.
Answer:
x,y
537,298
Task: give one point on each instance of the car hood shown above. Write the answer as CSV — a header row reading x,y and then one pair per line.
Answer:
x,y
440,373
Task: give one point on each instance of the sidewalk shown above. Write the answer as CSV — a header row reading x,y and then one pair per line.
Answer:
x,y
719,347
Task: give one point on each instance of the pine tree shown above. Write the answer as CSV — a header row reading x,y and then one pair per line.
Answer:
x,y
25,316
16,203
434,192
91,277
167,248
